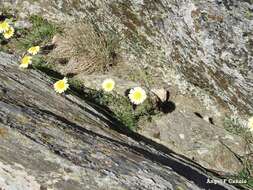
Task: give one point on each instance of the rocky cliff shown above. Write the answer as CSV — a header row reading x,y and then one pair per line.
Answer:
x,y
50,141
200,52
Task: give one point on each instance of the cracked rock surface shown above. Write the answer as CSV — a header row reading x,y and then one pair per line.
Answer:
x,y
62,142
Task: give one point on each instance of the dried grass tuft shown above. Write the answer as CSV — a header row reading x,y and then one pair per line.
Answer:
x,y
85,49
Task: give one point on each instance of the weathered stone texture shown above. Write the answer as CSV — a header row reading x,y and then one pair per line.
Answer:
x,y
208,43
62,142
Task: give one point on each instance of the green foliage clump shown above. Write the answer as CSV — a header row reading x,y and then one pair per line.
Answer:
x,y
41,33
40,63
122,108
233,125
119,106
246,175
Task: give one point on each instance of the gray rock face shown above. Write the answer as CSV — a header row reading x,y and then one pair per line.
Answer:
x,y
191,136
203,48
207,43
62,142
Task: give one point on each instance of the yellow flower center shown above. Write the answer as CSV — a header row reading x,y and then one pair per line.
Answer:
x,y
26,60
4,26
60,84
108,86
8,32
34,50
137,95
